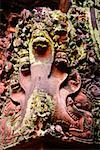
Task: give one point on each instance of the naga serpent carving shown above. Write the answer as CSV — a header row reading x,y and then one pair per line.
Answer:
x,y
41,86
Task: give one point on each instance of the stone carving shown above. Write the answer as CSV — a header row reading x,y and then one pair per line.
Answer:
x,y
43,87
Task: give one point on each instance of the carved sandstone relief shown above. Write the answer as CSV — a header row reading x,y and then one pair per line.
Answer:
x,y
48,78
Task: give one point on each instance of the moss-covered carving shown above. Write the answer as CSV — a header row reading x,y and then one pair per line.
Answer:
x,y
49,83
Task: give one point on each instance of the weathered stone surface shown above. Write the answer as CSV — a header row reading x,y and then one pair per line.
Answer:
x,y
49,81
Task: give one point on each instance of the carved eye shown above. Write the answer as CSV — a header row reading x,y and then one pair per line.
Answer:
x,y
40,47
